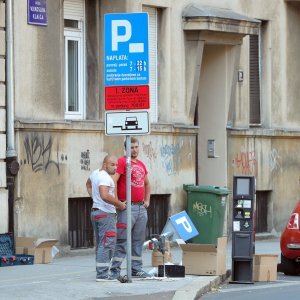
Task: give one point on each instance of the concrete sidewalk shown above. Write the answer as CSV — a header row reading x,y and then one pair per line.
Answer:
x,y
74,278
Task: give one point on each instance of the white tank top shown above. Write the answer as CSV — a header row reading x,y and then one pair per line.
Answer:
x,y
101,177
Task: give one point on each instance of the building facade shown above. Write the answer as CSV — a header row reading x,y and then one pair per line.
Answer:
x,y
224,101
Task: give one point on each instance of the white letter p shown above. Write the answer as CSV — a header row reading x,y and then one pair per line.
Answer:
x,y
184,222
116,38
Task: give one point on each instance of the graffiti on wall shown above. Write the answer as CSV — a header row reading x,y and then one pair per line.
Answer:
x,y
39,150
149,151
85,160
245,163
19,205
274,160
170,155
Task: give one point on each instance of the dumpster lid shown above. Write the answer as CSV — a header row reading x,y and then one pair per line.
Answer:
x,y
206,189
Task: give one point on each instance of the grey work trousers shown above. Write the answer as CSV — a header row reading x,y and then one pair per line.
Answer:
x,y
104,225
139,220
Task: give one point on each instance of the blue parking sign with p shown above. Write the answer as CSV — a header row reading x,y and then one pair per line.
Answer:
x,y
184,226
126,54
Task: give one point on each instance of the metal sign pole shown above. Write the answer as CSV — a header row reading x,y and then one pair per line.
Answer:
x,y
128,204
129,122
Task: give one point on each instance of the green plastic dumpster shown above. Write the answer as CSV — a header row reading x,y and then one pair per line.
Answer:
x,y
206,208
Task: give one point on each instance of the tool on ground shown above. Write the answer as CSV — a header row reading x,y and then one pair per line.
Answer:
x,y
158,242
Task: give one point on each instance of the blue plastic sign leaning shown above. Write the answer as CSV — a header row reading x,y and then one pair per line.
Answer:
x,y
180,226
126,54
184,226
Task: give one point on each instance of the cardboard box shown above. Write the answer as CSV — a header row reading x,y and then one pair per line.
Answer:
x,y
157,258
40,248
265,267
205,259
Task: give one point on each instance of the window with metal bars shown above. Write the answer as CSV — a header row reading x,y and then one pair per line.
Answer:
x,y
254,80
81,233
262,201
157,214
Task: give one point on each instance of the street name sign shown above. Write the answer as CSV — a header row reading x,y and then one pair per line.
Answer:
x,y
37,12
127,123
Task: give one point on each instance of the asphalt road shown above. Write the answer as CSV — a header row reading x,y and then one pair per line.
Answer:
x,y
286,287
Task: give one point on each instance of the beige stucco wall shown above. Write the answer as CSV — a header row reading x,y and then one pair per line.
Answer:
x,y
52,171
292,67
279,99
213,107
39,71
38,67
274,160
278,64
2,15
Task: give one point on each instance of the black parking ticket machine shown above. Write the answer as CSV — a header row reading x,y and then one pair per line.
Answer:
x,y
243,229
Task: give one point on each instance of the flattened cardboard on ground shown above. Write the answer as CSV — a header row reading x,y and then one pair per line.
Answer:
x,y
205,259
40,248
265,267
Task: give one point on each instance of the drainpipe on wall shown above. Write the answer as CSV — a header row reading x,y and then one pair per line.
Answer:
x,y
12,166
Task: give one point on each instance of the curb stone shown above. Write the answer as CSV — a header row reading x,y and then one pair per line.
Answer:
x,y
192,290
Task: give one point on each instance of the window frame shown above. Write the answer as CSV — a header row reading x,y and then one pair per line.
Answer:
x,y
75,34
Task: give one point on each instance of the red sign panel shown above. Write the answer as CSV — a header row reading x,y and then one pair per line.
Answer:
x,y
127,97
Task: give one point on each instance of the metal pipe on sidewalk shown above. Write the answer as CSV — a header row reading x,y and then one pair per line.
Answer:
x,y
128,204
12,166
10,136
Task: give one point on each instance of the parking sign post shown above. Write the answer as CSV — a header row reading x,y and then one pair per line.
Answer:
x,y
126,78
128,205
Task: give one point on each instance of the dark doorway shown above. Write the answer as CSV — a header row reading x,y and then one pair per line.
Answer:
x,y
157,214
262,200
81,233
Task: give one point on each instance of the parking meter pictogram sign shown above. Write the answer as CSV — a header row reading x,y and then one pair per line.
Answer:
x,y
126,49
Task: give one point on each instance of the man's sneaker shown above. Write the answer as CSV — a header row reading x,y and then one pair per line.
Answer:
x,y
141,274
106,279
114,275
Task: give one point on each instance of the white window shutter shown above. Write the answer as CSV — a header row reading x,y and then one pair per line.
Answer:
x,y
74,9
152,12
